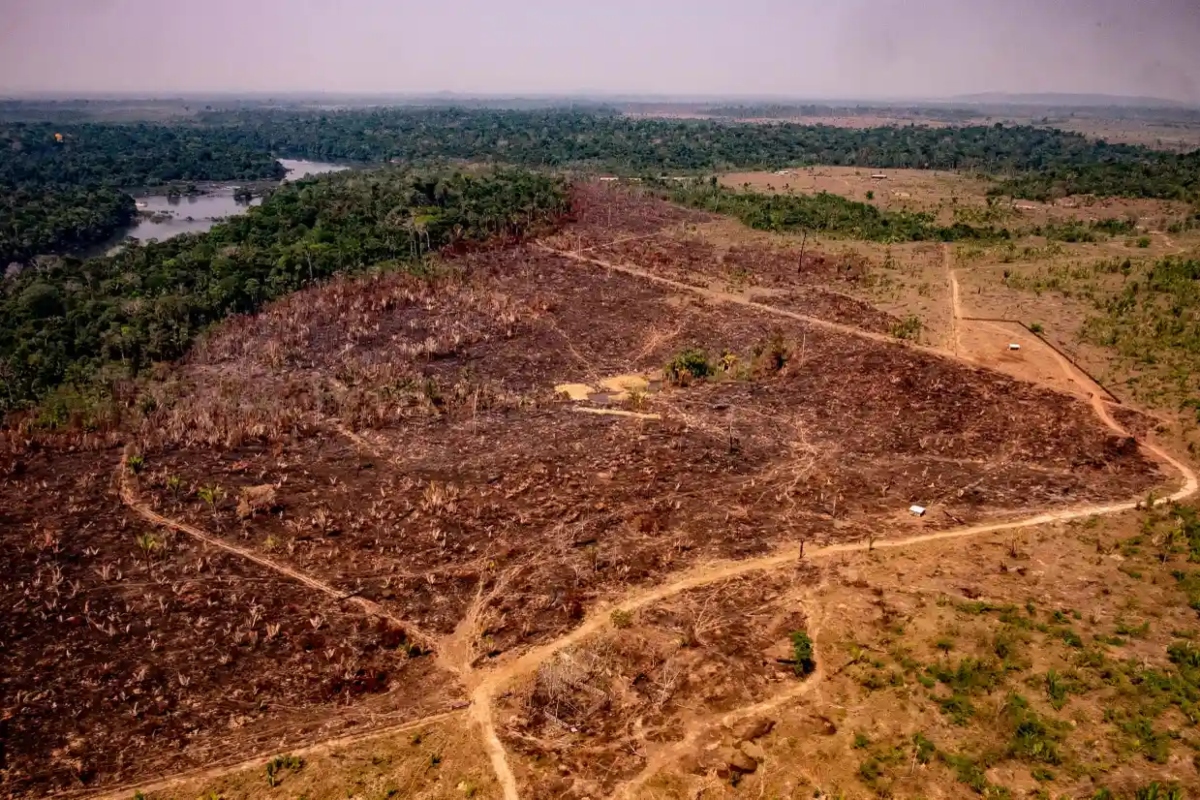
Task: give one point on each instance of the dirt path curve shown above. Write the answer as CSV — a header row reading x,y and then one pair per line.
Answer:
x,y
1170,242
528,662
219,770
371,608
669,754
713,572
1092,392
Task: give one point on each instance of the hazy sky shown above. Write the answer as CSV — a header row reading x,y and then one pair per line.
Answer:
x,y
809,48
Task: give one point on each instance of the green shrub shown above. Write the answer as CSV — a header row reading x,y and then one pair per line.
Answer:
x,y
958,708
1034,739
277,765
688,366
969,676
1056,689
1152,744
1184,654
772,355
908,328
1159,791
925,748
1071,638
967,771
802,653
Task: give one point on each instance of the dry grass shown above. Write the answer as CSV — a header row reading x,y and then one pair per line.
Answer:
x,y
1061,617
901,190
442,759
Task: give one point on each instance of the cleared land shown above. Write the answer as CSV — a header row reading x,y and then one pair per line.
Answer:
x,y
381,516
951,196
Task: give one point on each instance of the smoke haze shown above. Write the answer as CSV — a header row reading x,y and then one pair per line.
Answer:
x,y
872,49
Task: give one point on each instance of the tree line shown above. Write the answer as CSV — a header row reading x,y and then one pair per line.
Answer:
x,y
68,321
1149,174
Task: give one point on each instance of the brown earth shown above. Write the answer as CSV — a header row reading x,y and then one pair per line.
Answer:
x,y
130,651
588,718
423,467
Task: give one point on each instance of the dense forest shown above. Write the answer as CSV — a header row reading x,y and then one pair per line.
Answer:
x,y
1154,174
242,144
127,156
64,186
145,304
1034,161
38,219
825,213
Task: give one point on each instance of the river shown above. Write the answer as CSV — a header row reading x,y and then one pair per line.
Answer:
x,y
198,213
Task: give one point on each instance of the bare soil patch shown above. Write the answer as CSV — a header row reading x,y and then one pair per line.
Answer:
x,y
897,189
592,715
402,442
442,758
492,487
129,650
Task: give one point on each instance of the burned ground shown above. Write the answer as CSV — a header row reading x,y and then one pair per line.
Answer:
x,y
419,457
588,715
695,249
130,649
480,480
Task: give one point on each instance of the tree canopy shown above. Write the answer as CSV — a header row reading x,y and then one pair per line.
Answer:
x,y
147,303
1031,160
106,158
65,186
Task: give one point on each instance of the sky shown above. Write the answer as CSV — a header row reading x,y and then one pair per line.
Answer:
x,y
845,49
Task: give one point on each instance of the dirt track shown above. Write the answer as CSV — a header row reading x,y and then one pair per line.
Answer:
x,y
484,693
129,497
485,685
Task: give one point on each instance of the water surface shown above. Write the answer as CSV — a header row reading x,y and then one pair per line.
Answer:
x,y
198,213
194,214
298,168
